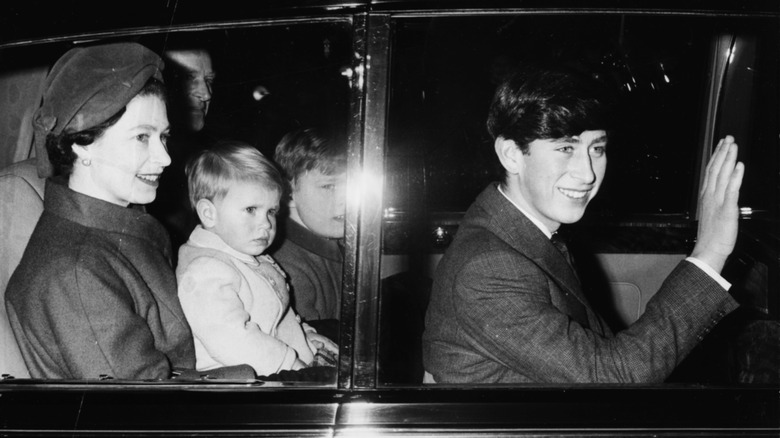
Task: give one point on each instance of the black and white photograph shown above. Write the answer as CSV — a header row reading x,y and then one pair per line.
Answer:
x,y
370,218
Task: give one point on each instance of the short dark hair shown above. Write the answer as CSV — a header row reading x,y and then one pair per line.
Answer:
x,y
545,102
307,149
59,149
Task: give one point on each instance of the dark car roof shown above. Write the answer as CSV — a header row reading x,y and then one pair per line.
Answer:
x,y
36,20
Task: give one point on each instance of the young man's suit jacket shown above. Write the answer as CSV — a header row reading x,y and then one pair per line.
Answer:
x,y
506,307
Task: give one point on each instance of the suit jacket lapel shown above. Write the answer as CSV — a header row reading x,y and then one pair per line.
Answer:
x,y
507,222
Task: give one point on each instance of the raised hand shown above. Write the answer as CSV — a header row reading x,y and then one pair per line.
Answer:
x,y
718,209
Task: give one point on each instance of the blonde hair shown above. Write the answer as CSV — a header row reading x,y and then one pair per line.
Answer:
x,y
211,173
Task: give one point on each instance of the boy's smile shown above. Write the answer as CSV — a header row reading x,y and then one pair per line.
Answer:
x,y
557,178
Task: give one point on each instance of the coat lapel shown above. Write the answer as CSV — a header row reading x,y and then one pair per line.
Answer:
x,y
507,222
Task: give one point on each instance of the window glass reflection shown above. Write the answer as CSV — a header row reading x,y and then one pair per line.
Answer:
x,y
237,91
440,156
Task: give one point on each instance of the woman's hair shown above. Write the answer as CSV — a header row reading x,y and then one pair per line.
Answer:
x,y
59,147
211,173
303,150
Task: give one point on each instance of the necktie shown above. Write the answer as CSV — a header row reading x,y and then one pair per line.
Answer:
x,y
578,312
560,243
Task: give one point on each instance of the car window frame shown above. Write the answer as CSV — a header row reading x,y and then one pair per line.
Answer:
x,y
354,137
371,224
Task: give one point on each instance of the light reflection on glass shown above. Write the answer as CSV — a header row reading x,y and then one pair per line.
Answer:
x,y
365,187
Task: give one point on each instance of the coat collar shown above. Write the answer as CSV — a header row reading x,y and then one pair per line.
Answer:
x,y
98,214
207,239
513,227
332,249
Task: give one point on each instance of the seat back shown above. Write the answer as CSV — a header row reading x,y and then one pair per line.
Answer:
x,y
403,302
21,204
633,279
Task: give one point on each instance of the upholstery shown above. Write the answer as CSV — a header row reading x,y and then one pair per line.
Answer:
x,y
21,204
633,279
20,95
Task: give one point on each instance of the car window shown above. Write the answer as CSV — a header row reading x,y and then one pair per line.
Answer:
x,y
659,73
262,82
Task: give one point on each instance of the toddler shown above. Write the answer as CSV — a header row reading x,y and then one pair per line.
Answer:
x,y
236,299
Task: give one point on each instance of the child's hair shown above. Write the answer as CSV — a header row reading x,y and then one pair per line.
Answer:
x,y
211,173
303,150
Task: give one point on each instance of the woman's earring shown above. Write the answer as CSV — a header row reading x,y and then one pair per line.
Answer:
x,y
86,162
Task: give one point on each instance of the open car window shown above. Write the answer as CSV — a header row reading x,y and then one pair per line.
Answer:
x,y
263,82
675,93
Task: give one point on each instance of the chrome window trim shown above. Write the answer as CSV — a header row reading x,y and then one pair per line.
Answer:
x,y
175,28
347,331
424,13
369,182
718,65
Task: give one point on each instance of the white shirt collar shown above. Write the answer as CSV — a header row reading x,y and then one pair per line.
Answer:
x,y
534,220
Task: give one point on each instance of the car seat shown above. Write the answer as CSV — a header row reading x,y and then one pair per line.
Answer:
x,y
21,204
404,301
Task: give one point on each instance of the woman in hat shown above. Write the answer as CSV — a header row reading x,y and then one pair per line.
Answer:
x,y
94,295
